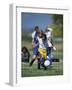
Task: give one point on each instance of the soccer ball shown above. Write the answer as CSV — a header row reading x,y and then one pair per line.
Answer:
x,y
47,63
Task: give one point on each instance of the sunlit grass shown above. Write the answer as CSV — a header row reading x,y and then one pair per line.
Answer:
x,y
56,69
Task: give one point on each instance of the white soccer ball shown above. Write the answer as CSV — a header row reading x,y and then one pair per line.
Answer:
x,y
47,63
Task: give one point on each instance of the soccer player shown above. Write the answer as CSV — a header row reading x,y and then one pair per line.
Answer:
x,y
42,48
35,45
48,33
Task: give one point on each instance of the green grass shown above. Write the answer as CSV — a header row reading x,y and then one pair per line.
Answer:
x,y
56,69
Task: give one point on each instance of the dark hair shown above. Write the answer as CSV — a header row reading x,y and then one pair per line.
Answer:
x,y
36,27
25,50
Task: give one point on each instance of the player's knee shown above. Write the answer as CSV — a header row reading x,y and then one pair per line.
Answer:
x,y
34,56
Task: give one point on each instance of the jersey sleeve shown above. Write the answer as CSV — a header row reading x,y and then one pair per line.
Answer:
x,y
48,34
33,35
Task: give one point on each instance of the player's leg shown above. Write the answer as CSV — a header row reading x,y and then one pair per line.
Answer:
x,y
45,57
50,56
49,49
32,61
35,52
39,63
41,56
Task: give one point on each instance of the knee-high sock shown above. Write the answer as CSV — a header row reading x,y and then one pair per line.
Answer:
x,y
38,63
31,62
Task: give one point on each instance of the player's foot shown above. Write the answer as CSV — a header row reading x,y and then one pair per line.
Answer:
x,y
45,68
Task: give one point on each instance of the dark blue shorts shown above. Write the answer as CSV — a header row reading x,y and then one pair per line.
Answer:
x,y
35,51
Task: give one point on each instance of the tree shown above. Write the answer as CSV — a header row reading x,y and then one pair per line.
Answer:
x,y
58,20
56,31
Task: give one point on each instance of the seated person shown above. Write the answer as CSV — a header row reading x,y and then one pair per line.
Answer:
x,y
25,55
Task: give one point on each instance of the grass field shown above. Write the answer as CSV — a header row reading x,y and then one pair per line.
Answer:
x,y
56,69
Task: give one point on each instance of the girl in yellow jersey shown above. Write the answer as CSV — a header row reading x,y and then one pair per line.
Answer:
x,y
42,47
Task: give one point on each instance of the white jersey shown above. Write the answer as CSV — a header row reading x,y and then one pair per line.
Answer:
x,y
41,44
49,35
34,38
33,34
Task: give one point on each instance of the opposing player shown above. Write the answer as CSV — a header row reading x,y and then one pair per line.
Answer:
x,y
35,45
48,33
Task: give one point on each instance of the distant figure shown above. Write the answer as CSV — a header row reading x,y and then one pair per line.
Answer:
x,y
25,55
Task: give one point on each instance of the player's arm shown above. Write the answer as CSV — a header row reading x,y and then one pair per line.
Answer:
x,y
33,44
52,43
54,48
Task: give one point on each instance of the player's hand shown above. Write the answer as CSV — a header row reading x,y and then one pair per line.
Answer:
x,y
33,45
54,48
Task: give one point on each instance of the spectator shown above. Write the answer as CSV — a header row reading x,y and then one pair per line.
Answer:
x,y
25,55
